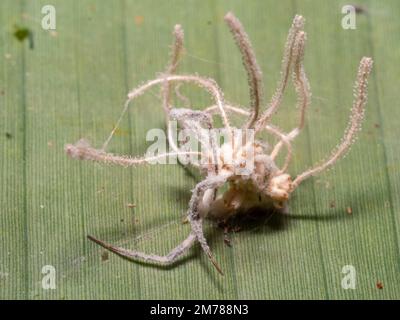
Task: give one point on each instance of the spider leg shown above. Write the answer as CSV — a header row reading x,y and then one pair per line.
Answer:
x,y
170,258
185,100
301,83
284,139
288,58
176,53
302,87
197,231
205,83
195,219
193,120
177,48
212,109
354,126
254,74
83,151
166,79
189,118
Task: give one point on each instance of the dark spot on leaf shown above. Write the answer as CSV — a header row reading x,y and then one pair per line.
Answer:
x,y
104,256
360,9
22,33
209,22
8,135
379,285
139,20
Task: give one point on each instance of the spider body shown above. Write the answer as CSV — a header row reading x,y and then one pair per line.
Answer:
x,y
253,179
243,162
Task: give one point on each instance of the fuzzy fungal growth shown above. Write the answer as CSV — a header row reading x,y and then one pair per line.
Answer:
x,y
246,165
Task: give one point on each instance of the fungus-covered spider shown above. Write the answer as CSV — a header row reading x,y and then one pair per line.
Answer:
x,y
265,184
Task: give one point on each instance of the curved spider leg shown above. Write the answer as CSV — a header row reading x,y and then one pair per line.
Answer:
x,y
177,49
301,84
168,259
206,83
239,110
283,138
83,151
302,87
354,126
185,100
288,58
176,53
209,84
195,219
193,120
197,231
186,117
254,74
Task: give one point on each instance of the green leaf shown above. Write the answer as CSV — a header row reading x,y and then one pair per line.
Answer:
x,y
73,83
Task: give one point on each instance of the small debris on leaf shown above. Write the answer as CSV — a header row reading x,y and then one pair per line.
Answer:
x,y
100,190
360,9
104,256
139,20
22,33
227,240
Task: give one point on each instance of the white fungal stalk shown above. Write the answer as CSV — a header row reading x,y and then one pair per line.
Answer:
x,y
247,164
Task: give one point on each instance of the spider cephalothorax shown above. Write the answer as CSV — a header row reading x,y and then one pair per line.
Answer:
x,y
248,166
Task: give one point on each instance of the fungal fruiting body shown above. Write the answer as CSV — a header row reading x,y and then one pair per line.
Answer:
x,y
247,165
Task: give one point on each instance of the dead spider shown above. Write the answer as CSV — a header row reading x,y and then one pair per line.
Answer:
x,y
266,185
